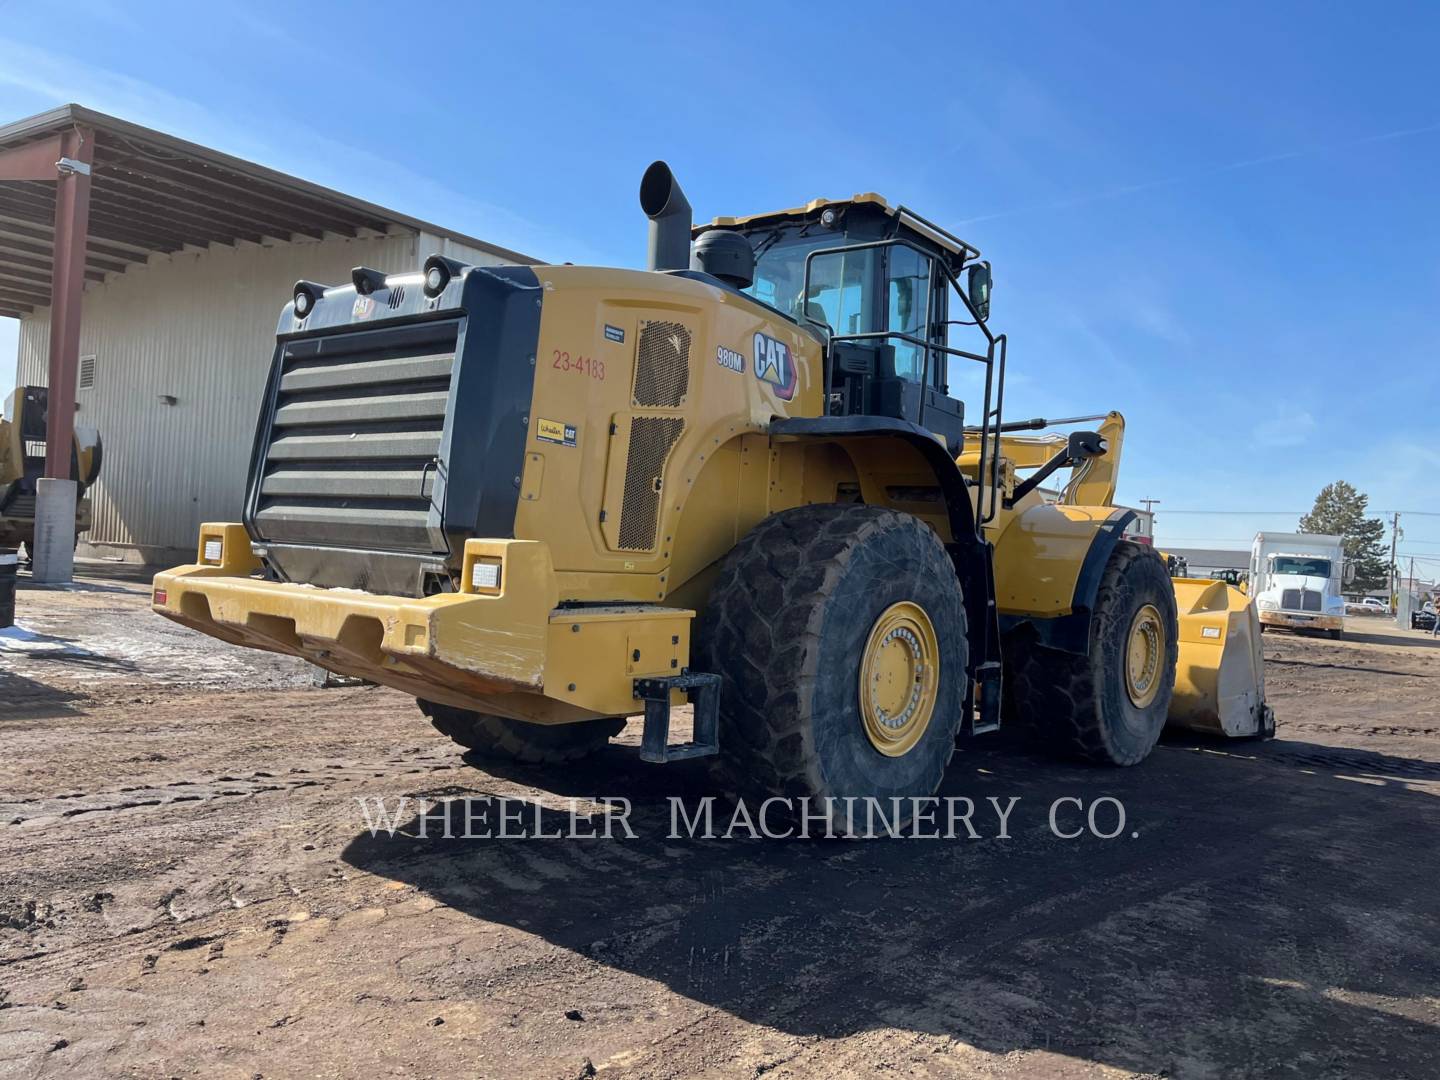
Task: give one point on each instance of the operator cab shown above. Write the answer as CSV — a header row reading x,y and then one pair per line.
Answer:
x,y
876,283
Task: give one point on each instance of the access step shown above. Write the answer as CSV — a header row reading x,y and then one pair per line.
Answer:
x,y
985,717
703,691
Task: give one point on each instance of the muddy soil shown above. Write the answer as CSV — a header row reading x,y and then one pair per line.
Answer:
x,y
188,887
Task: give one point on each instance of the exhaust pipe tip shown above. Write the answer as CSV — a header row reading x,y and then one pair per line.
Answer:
x,y
660,192
664,203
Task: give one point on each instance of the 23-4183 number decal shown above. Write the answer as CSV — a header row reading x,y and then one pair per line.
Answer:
x,y
580,365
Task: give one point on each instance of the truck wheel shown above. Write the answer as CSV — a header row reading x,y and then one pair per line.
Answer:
x,y
839,635
515,740
1108,705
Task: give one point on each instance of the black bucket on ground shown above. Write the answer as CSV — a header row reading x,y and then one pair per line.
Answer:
x,y
9,564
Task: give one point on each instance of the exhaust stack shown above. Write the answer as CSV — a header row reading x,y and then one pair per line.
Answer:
x,y
669,213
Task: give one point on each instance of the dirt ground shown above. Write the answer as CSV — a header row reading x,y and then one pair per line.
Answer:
x,y
188,888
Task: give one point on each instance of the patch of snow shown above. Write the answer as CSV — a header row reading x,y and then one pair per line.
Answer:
x,y
19,639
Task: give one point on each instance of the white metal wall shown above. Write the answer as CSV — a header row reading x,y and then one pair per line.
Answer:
x,y
198,327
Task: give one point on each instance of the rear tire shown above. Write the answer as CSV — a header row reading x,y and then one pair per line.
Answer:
x,y
1104,706
814,603
501,738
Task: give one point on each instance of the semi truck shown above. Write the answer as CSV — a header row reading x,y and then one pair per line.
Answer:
x,y
1297,580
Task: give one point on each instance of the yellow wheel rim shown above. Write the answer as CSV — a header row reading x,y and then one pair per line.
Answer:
x,y
1143,656
899,678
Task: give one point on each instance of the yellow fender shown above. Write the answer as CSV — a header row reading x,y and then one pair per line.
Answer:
x,y
1220,674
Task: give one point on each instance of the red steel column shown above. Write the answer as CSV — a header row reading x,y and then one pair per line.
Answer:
x,y
72,226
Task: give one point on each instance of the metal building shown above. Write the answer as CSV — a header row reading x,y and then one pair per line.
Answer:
x,y
189,256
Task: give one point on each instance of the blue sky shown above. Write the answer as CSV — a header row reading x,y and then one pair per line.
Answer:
x,y
1220,219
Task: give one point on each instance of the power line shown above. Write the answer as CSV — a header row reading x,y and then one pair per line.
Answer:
x,y
1244,513
1298,513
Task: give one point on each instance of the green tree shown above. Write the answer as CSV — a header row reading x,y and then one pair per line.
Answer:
x,y
1339,510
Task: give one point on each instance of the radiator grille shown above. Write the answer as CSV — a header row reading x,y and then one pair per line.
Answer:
x,y
1300,600
662,365
651,440
356,426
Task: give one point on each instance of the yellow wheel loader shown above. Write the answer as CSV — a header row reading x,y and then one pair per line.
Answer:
x,y
22,463
543,499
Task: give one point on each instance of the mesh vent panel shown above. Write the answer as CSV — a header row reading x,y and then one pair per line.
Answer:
x,y
662,365
651,440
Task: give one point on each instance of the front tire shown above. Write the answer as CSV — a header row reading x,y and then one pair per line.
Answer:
x,y
839,635
1109,704
503,739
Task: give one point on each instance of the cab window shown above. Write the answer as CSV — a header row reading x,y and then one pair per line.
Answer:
x,y
908,285
838,285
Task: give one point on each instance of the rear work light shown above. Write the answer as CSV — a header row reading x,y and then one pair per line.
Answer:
x,y
307,293
214,550
438,272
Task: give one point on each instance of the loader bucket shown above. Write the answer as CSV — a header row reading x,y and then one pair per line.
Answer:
x,y
1219,675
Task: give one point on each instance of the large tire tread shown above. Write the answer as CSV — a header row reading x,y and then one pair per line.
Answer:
x,y
1056,695
761,631
504,739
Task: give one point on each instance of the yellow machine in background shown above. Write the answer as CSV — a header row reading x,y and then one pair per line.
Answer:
x,y
22,462
542,499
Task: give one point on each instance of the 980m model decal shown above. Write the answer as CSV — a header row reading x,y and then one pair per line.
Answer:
x,y
729,359
775,365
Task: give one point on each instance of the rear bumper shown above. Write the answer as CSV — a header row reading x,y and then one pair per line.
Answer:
x,y
510,650
1295,620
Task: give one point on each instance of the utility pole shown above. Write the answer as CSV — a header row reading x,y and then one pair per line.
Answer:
x,y
1394,567
1149,503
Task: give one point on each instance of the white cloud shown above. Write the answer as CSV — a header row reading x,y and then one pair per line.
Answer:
x,y
1283,425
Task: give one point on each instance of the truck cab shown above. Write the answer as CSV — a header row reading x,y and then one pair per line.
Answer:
x,y
1298,580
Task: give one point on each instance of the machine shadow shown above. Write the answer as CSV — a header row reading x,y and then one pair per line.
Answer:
x,y
1416,639
1213,934
29,699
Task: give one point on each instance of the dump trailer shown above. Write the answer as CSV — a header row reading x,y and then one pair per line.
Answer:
x,y
543,499
22,464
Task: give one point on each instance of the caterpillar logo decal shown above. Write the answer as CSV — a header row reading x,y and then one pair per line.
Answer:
x,y
775,365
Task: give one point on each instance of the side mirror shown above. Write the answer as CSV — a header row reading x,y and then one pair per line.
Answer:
x,y
1349,572
977,284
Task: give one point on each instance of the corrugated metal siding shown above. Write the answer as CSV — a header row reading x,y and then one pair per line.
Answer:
x,y
200,328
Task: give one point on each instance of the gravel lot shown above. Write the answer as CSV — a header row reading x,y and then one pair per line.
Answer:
x,y
188,888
